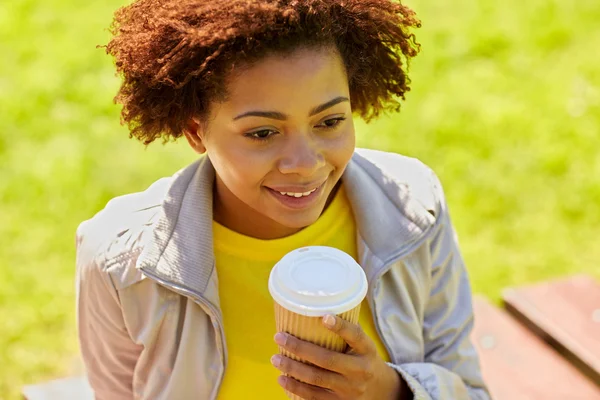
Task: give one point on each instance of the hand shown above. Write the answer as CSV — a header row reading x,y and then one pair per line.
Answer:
x,y
357,374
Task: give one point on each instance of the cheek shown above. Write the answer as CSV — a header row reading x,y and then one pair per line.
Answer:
x,y
242,171
341,150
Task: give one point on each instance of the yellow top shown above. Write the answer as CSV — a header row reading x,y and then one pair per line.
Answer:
x,y
243,267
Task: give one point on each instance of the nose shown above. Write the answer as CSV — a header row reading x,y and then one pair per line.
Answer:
x,y
301,156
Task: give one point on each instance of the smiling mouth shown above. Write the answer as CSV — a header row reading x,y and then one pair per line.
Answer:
x,y
298,195
293,198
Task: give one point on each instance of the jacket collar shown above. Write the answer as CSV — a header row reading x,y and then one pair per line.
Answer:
x,y
388,217
180,249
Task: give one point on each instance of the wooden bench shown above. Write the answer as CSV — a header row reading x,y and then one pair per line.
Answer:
x,y
565,314
516,364
545,345
72,388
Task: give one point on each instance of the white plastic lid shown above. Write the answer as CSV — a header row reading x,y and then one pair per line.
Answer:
x,y
318,280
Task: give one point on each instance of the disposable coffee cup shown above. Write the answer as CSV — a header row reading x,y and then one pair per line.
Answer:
x,y
311,282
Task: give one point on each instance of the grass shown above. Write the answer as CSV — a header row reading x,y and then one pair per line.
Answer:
x,y
505,107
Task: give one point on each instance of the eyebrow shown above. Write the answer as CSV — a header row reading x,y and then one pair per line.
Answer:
x,y
281,116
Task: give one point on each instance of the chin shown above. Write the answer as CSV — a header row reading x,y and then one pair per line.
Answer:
x,y
299,222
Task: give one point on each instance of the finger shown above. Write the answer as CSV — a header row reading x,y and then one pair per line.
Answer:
x,y
310,374
351,333
304,390
329,360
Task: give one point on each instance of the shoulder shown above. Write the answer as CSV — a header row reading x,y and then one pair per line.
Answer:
x,y
411,174
113,238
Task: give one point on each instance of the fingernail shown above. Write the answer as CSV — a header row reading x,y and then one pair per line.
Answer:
x,y
276,360
280,338
329,320
282,380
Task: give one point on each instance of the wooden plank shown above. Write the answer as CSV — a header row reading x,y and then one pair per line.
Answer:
x,y
76,387
517,365
566,314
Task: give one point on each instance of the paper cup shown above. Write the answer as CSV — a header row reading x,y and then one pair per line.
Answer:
x,y
311,282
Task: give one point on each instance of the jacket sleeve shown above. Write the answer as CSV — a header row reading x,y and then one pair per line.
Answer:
x,y
108,352
451,369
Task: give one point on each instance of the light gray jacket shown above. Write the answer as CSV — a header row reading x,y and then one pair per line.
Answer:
x,y
149,320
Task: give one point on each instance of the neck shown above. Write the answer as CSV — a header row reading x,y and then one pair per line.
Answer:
x,y
233,214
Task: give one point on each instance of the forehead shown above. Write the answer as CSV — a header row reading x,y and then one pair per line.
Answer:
x,y
302,78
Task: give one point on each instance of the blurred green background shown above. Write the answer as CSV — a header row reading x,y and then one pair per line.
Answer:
x,y
505,107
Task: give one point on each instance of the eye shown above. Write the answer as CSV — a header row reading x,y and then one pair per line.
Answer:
x,y
331,123
263,134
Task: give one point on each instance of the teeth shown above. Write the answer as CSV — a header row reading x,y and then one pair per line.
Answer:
x,y
297,195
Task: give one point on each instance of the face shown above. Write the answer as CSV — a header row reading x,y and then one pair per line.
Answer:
x,y
279,142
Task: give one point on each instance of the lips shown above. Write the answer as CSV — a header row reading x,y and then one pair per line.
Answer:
x,y
298,194
297,197
298,188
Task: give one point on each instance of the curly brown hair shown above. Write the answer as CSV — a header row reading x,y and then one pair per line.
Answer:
x,y
174,55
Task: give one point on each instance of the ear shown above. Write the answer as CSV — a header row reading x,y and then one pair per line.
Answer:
x,y
193,133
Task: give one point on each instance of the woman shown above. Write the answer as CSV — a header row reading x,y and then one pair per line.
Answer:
x,y
172,282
